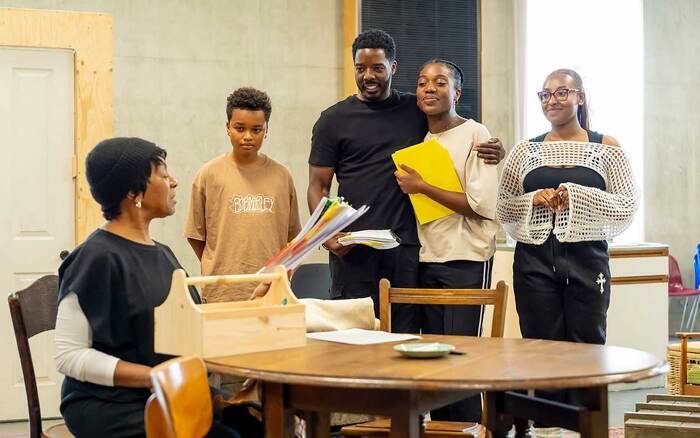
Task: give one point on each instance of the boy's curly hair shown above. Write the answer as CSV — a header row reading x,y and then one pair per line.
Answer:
x,y
249,98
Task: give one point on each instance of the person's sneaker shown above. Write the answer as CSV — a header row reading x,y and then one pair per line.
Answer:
x,y
529,433
547,432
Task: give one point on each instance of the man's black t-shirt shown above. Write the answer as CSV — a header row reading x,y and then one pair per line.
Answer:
x,y
118,283
357,139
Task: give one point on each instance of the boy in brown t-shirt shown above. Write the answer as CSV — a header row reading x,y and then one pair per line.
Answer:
x,y
243,208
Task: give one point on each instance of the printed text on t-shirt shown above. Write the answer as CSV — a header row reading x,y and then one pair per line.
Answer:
x,y
240,204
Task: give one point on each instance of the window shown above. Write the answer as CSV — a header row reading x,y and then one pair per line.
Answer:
x,y
603,41
427,29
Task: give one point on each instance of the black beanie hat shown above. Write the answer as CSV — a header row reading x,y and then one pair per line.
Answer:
x,y
114,165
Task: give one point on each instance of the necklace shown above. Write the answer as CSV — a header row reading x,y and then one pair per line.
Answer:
x,y
454,124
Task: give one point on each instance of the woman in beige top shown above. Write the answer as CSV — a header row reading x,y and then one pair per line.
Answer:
x,y
457,250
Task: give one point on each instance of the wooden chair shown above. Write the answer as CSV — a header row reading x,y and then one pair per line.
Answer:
x,y
33,311
685,387
387,295
468,297
180,405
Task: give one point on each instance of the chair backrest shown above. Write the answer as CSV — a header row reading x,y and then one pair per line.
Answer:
x,y
180,405
312,280
497,297
33,311
674,272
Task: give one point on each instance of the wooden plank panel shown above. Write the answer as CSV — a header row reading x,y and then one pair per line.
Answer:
x,y
350,31
625,267
90,36
640,279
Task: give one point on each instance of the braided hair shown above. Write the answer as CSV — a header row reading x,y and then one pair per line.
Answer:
x,y
457,73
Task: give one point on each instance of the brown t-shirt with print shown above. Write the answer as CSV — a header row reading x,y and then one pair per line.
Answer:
x,y
245,215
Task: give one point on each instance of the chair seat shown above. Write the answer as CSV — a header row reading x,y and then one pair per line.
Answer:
x,y
677,290
58,431
433,429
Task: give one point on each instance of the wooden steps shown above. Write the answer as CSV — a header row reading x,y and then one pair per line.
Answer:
x,y
664,416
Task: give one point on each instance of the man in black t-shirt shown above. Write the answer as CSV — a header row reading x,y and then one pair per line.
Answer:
x,y
354,140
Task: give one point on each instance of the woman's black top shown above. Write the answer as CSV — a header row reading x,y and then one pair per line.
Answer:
x,y
550,177
118,283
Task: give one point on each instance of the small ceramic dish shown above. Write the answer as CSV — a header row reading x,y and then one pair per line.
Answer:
x,y
424,350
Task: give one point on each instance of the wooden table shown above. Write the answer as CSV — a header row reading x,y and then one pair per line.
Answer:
x,y
325,377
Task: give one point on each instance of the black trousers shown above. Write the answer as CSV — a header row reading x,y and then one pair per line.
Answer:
x,y
357,275
91,417
455,320
562,293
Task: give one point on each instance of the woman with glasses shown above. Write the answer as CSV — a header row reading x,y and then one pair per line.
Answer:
x,y
562,194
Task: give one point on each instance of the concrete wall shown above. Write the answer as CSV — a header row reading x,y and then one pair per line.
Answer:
x,y
498,80
175,62
672,133
672,128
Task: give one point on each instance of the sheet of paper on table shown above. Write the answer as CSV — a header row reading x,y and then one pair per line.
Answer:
x,y
360,336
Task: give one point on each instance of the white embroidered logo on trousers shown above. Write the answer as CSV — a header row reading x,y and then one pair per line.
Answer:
x,y
601,281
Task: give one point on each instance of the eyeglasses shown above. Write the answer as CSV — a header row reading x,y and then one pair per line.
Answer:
x,y
560,95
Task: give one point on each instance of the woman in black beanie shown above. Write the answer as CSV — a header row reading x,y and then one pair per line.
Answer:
x,y
108,288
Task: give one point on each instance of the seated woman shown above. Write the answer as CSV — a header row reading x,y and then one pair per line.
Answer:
x,y
108,288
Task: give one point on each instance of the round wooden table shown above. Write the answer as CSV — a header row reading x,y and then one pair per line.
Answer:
x,y
325,377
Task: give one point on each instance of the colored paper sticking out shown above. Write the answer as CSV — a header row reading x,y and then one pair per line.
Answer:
x,y
331,216
434,164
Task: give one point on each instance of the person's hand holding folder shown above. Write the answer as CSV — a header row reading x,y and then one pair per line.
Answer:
x,y
421,168
409,180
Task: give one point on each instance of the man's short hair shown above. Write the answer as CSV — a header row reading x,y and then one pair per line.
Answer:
x,y
249,98
375,39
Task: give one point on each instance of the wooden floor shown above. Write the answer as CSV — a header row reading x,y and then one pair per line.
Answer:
x,y
20,429
615,432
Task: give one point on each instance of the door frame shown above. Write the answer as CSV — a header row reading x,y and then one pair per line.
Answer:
x,y
89,35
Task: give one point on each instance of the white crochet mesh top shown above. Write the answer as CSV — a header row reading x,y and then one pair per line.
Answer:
x,y
593,214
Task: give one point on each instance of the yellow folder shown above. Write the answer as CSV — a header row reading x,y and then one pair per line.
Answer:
x,y
434,164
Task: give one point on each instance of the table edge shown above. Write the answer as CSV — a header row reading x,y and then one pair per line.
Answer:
x,y
658,369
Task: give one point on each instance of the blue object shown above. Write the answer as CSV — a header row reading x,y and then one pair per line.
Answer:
x,y
696,263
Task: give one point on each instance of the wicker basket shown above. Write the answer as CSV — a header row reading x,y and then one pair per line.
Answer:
x,y
673,356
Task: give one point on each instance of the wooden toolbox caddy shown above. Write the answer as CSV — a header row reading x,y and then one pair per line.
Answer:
x,y
273,322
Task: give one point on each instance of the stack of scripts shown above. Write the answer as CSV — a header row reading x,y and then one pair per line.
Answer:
x,y
331,216
377,239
